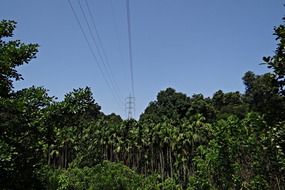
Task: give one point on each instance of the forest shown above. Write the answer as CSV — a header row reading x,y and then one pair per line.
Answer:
x,y
231,140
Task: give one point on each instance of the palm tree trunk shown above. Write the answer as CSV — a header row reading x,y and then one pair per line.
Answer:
x,y
170,163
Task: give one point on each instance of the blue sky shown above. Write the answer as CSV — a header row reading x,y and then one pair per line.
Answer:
x,y
190,45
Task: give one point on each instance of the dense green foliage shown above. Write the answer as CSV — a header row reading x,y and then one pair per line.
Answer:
x,y
231,140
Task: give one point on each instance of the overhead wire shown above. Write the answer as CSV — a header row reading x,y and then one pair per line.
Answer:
x,y
132,97
116,31
99,46
106,66
130,47
92,52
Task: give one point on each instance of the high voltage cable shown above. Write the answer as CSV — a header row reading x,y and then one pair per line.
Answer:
x,y
106,66
106,62
130,46
116,31
91,50
97,33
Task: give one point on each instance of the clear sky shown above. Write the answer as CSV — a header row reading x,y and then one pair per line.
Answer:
x,y
194,46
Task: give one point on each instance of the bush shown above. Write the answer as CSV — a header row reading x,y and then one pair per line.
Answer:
x,y
107,176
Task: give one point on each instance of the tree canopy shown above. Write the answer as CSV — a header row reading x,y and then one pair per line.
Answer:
x,y
231,140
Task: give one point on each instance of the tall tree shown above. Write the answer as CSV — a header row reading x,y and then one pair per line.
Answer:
x,y
65,122
20,149
13,53
170,105
22,137
277,61
201,105
230,103
261,94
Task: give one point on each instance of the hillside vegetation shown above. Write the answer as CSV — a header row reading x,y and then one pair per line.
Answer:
x,y
231,140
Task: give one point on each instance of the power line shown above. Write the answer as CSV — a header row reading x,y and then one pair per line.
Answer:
x,y
116,31
91,50
107,69
106,62
130,46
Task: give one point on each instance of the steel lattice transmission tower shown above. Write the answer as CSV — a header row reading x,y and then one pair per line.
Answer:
x,y
130,107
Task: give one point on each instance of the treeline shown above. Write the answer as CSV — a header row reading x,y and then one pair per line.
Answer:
x,y
231,140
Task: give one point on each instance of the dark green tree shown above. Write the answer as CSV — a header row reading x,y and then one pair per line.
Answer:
x,y
201,105
241,154
20,133
227,104
277,61
65,124
261,94
170,105
22,137
13,53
